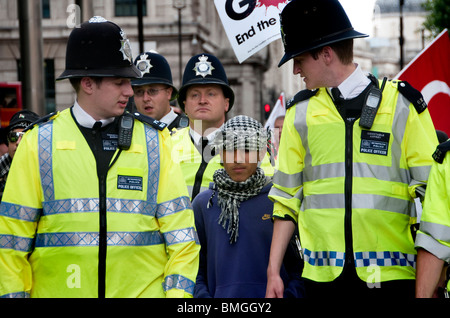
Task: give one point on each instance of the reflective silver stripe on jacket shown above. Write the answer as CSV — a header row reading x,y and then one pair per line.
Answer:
x,y
91,205
359,201
438,231
362,259
17,243
19,212
92,239
16,295
431,236
115,238
45,160
117,205
179,282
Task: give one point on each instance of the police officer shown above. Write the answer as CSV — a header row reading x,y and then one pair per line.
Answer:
x,y
93,206
350,164
155,90
14,132
206,97
433,242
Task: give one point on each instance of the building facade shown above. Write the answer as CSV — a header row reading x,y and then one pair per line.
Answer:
x,y
385,43
256,82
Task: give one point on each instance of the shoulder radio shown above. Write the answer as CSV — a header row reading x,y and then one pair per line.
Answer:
x,y
371,105
125,131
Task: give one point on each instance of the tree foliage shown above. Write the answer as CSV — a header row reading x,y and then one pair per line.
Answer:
x,y
439,15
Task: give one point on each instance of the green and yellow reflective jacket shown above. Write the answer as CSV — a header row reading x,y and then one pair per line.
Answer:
x,y
434,231
351,190
57,216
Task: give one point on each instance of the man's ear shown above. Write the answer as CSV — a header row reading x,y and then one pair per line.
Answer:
x,y
227,104
327,54
87,85
169,91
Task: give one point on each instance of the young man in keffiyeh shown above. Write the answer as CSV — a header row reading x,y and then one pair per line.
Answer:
x,y
233,218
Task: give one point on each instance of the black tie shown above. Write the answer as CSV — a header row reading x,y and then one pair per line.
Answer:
x,y
204,147
204,143
97,125
336,93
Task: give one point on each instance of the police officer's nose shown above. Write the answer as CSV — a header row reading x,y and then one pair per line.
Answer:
x,y
203,98
128,89
296,68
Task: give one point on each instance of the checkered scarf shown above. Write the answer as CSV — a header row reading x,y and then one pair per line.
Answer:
x,y
242,132
245,133
231,193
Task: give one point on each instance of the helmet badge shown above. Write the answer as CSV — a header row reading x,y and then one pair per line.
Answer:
x,y
203,67
143,65
125,47
97,19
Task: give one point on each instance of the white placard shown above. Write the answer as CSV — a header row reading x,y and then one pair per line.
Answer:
x,y
250,24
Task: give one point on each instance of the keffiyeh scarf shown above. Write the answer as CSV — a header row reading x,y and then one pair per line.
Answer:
x,y
231,193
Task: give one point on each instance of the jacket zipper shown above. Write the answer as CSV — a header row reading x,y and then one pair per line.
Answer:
x,y
349,261
102,244
103,231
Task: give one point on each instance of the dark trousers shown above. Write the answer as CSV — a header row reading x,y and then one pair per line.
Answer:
x,y
348,284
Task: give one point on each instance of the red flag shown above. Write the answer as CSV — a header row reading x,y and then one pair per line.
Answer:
x,y
429,72
278,110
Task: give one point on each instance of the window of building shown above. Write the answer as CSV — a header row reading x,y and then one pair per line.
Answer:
x,y
126,8
46,9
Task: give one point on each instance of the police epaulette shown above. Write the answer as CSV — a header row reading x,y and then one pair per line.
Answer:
x,y
441,150
150,121
43,119
413,96
301,96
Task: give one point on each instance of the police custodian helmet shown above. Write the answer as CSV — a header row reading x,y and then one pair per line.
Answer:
x,y
204,69
310,24
99,48
155,70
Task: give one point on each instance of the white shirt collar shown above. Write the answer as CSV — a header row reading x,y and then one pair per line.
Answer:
x,y
86,120
197,137
169,118
353,85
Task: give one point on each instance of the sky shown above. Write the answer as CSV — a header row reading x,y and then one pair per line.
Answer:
x,y
360,14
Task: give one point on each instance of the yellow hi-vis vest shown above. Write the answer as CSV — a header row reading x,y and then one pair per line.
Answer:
x,y
190,159
352,190
434,231
50,233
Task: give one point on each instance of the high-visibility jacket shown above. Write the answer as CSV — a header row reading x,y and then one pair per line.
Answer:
x,y
197,174
434,231
56,217
351,189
